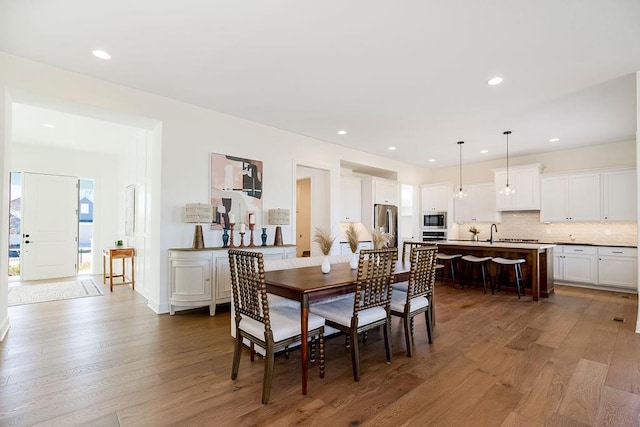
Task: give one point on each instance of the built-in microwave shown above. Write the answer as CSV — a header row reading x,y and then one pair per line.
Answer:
x,y
434,220
434,235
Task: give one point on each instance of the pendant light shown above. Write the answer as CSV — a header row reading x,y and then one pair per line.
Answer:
x,y
507,190
458,193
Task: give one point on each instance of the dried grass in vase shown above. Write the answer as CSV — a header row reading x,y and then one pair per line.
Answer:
x,y
351,234
379,239
324,240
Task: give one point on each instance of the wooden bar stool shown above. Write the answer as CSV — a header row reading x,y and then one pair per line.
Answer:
x,y
453,265
501,262
471,262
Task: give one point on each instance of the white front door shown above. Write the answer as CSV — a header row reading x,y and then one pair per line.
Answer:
x,y
49,226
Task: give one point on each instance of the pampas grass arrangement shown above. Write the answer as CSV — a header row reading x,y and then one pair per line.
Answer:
x,y
323,238
351,234
379,239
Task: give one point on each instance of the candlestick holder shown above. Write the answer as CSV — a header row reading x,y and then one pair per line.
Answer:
x,y
251,227
242,233
231,225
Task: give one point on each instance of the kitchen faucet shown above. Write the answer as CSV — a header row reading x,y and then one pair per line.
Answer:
x,y
491,237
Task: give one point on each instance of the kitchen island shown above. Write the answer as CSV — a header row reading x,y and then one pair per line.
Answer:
x,y
537,271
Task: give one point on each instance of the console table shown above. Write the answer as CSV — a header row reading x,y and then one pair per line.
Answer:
x,y
118,253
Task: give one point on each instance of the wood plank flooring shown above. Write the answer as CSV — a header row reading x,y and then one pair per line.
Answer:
x,y
495,361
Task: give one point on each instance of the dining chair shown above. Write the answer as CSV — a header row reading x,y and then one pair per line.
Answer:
x,y
418,297
407,245
370,306
272,328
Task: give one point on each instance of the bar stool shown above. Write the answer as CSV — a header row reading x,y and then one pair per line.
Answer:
x,y
471,262
501,262
451,259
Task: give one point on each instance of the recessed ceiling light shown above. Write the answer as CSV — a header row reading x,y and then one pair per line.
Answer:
x,y
342,132
392,148
495,81
432,160
48,125
554,140
484,151
101,54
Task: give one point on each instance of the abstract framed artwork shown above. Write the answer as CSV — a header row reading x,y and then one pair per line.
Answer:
x,y
236,189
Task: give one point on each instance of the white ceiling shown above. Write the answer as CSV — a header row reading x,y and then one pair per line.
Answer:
x,y
412,74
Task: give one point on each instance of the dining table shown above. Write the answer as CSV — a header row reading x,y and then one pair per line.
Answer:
x,y
310,284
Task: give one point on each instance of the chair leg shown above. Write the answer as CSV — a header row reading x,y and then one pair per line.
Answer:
x,y
268,371
483,270
237,352
321,345
518,272
312,350
407,334
387,338
427,315
355,356
252,351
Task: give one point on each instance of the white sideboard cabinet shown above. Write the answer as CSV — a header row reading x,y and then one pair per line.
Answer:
x,y
201,277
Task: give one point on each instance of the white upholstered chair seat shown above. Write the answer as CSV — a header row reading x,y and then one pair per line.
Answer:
x,y
399,299
285,323
341,310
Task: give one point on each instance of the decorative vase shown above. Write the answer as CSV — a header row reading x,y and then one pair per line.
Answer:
x,y
355,258
264,237
474,238
326,265
225,238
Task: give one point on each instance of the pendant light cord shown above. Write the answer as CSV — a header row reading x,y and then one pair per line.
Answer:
x,y
460,144
507,132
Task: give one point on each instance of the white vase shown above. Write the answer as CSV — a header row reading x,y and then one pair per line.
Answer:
x,y
326,265
355,258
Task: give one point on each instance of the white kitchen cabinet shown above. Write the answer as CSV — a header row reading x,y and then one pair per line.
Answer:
x,y
619,198
618,267
350,199
478,206
386,193
570,197
200,277
558,263
435,198
346,250
579,264
526,182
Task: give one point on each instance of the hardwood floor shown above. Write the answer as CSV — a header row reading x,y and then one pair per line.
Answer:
x,y
495,360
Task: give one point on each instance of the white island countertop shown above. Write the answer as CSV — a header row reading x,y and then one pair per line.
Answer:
x,y
507,245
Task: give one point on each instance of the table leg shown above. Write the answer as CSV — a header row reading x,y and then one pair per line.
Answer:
x,y
104,270
133,273
110,273
304,336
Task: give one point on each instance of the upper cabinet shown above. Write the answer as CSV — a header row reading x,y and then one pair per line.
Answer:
x,y
526,181
478,206
619,195
385,192
434,198
350,199
589,196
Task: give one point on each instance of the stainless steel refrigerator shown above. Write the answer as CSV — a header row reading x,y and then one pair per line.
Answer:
x,y
385,219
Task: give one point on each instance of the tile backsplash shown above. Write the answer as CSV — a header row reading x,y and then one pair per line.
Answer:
x,y
527,225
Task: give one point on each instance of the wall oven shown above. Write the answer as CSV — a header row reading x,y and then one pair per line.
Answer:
x,y
434,235
434,220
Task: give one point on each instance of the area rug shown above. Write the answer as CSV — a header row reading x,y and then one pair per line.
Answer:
x,y
43,292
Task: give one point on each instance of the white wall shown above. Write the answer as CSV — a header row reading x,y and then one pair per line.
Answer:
x,y
5,131
178,156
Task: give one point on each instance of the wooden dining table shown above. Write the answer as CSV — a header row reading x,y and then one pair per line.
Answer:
x,y
309,284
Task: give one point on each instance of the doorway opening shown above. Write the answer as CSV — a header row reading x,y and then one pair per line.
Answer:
x,y
85,226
